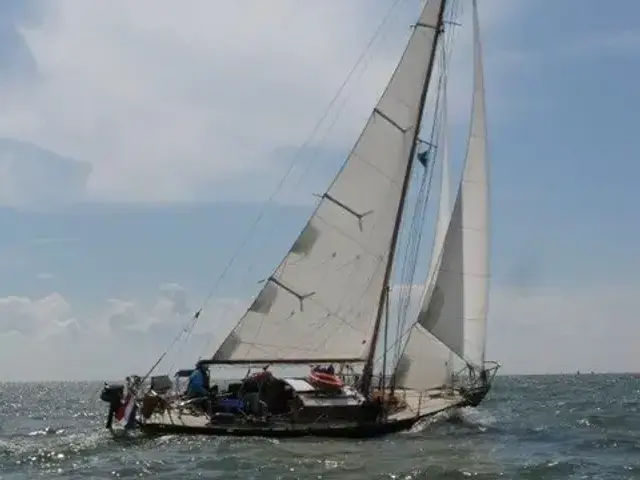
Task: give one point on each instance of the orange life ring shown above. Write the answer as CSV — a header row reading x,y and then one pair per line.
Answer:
x,y
325,381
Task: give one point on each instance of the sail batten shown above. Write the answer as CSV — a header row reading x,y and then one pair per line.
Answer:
x,y
321,302
456,306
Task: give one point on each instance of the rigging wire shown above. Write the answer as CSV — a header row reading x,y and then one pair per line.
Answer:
x,y
415,234
190,325
416,231
405,300
405,335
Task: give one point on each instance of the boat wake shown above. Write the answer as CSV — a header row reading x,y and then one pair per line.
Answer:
x,y
468,417
429,422
51,448
473,418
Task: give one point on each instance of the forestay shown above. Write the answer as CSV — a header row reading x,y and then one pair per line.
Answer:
x,y
321,301
455,308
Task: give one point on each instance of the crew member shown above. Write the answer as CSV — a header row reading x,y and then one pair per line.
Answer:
x,y
198,382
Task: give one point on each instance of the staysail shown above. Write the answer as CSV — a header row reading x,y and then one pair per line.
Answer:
x,y
426,362
455,308
321,302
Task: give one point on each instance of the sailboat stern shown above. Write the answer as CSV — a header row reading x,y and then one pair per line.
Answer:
x,y
112,394
122,401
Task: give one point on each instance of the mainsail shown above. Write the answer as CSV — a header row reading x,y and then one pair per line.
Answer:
x,y
323,300
455,307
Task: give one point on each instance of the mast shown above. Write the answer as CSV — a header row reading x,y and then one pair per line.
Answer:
x,y
417,336
385,342
368,368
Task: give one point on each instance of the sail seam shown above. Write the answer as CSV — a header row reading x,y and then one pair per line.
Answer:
x,y
331,316
378,170
346,235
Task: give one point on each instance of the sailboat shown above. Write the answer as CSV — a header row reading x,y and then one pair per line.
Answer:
x,y
328,300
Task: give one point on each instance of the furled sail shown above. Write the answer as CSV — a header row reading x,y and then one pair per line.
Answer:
x,y
455,308
321,302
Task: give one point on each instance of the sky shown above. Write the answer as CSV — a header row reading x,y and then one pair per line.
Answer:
x,y
139,143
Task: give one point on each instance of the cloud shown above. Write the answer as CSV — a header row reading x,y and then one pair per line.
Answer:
x,y
591,328
16,61
33,177
174,300
608,43
538,331
50,338
50,240
28,317
45,276
175,104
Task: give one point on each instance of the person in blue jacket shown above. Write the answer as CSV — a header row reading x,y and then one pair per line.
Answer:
x,y
198,383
